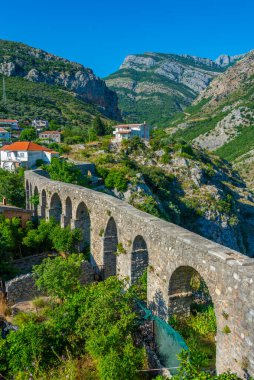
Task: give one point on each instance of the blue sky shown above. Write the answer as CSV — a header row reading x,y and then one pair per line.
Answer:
x,y
99,34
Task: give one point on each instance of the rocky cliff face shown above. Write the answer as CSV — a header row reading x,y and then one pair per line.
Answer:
x,y
154,86
36,65
222,117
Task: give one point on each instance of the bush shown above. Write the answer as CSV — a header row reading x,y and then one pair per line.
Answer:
x,y
116,179
61,170
60,276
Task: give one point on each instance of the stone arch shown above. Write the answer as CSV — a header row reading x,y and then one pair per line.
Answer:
x,y
187,291
55,207
84,223
30,195
27,195
139,258
181,290
68,212
36,194
110,248
43,204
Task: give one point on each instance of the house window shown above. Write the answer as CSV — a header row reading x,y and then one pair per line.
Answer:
x,y
8,154
22,155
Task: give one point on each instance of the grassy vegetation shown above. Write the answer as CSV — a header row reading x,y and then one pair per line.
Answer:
x,y
240,145
198,128
27,100
199,333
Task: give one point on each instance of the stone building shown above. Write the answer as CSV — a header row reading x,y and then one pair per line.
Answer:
x,y
10,212
50,136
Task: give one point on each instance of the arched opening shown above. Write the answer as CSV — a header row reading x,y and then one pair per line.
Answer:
x,y
110,248
36,201
83,222
68,211
27,196
191,312
139,259
55,208
43,204
30,196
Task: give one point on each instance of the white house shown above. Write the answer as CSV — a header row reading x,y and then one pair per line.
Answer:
x,y
50,136
126,131
40,124
24,154
5,135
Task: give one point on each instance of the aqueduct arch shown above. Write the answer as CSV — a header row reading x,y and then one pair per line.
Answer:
x,y
36,194
43,203
139,258
110,241
27,195
228,274
68,212
83,222
55,210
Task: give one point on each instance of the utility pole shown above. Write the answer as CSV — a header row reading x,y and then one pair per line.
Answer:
x,y
4,92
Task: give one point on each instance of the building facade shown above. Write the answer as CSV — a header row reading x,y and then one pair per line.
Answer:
x,y
5,135
40,124
9,212
127,131
9,123
24,154
50,136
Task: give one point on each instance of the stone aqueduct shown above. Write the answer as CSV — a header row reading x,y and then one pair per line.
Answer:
x,y
171,254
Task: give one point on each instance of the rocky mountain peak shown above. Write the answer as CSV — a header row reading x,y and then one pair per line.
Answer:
x,y
225,60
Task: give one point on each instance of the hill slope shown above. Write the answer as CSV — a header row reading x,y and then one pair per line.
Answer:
x,y
181,184
154,86
38,66
222,118
27,100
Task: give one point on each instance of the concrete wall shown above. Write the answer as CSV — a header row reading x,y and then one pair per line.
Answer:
x,y
228,274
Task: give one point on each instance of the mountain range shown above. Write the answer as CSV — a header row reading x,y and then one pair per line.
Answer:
x,y
154,86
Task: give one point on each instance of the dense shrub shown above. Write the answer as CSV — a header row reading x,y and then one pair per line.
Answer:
x,y
116,179
59,277
12,187
61,170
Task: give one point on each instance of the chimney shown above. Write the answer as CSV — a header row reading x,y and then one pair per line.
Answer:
x,y
4,201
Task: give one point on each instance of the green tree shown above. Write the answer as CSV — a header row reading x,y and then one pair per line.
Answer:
x,y
60,276
64,239
61,170
12,187
28,134
49,235
99,126
117,179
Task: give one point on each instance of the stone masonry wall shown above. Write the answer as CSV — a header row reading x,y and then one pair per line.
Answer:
x,y
228,274
21,288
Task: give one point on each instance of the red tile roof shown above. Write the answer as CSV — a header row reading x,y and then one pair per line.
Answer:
x,y
8,121
127,125
26,146
2,130
50,132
